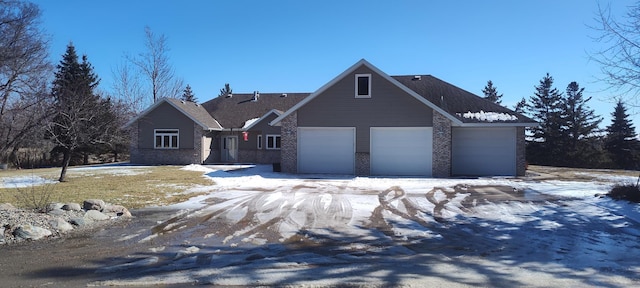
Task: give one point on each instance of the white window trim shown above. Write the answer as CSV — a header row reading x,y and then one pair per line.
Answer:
x,y
173,133
356,85
259,141
274,136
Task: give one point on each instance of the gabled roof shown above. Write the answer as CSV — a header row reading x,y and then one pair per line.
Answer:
x,y
194,111
273,111
441,96
234,111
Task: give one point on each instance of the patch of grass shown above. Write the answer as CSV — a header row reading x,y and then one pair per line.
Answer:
x,y
629,192
132,187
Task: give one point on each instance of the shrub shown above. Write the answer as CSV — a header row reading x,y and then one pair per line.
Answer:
x,y
629,192
36,196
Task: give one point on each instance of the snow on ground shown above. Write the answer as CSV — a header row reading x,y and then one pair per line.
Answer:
x,y
24,181
258,227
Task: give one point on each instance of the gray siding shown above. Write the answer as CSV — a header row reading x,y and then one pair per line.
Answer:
x,y
388,106
165,117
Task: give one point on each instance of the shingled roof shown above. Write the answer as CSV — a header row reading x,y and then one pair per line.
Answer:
x,y
454,100
192,110
234,111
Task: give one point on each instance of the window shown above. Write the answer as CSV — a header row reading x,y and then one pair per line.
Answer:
x,y
259,141
166,138
273,141
363,85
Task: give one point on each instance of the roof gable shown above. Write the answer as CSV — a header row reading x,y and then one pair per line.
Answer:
x,y
257,121
193,111
430,91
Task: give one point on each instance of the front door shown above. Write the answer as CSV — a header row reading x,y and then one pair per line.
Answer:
x,y
229,149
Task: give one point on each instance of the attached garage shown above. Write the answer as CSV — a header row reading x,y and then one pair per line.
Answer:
x,y
483,151
405,151
326,150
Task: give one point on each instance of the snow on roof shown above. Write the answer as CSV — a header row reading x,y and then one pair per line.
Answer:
x,y
489,116
249,122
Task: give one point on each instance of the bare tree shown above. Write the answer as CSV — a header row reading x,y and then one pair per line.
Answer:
x,y
24,74
154,64
619,57
128,89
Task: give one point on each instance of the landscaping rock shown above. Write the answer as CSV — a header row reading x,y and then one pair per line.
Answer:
x,y
54,206
71,207
80,221
116,210
29,232
96,215
93,204
60,225
7,207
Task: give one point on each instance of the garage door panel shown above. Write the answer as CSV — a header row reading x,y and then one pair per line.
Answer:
x,y
483,151
326,150
405,151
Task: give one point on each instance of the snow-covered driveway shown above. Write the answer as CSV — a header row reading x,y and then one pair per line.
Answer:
x,y
263,228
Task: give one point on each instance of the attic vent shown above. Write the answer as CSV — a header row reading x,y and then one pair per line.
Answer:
x,y
256,94
283,95
417,77
229,95
182,101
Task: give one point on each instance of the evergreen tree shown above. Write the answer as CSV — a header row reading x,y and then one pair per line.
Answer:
x,y
521,106
544,145
187,95
77,109
621,141
580,126
491,93
226,91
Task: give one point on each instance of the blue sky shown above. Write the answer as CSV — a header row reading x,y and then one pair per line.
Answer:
x,y
298,46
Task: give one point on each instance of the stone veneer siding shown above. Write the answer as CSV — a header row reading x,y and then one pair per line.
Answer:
x,y
441,145
167,156
521,161
363,164
289,143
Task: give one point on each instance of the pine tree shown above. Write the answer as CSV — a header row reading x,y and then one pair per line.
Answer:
x,y
580,126
187,95
521,106
621,141
226,91
491,93
545,107
77,109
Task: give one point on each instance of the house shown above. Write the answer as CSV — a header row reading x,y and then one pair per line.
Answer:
x,y
230,129
363,122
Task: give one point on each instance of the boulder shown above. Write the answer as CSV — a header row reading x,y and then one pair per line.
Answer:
x,y
7,207
54,206
117,210
60,224
71,207
95,215
80,221
2,240
30,232
93,204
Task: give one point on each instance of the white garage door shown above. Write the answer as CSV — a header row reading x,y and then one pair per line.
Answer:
x,y
326,150
401,151
483,151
